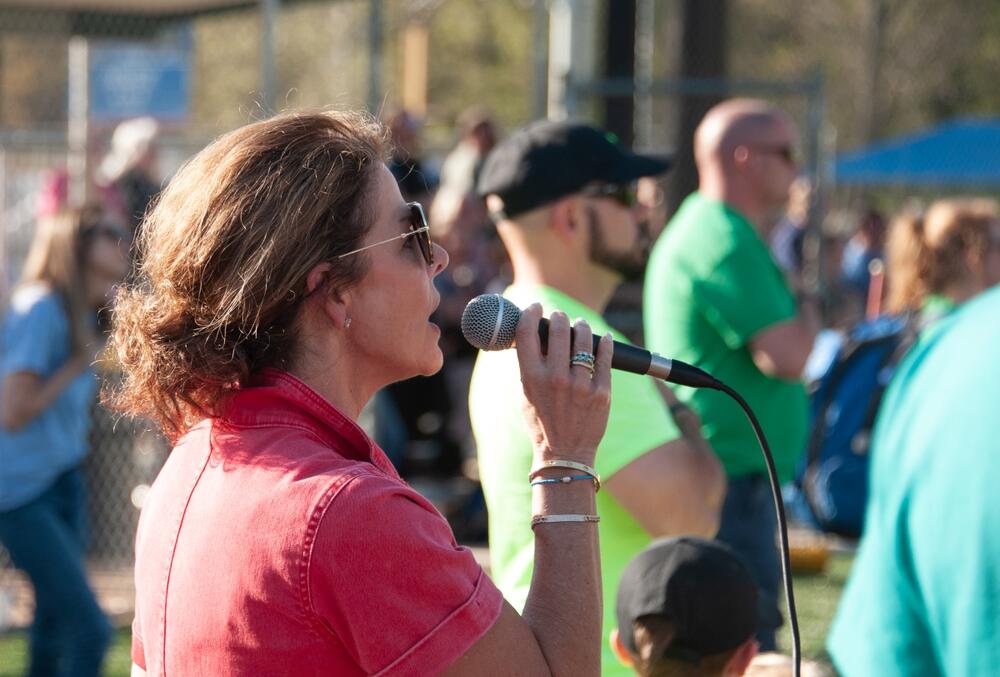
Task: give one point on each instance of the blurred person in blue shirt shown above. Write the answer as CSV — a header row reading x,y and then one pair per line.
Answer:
x,y
866,245
48,342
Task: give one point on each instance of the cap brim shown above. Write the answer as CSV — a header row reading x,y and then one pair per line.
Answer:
x,y
634,167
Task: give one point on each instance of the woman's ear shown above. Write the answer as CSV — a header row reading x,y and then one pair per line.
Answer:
x,y
333,303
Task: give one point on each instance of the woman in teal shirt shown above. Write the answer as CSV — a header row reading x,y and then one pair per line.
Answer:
x,y
48,342
923,592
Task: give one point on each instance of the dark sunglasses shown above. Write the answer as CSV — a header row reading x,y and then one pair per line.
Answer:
x,y
622,193
786,153
419,230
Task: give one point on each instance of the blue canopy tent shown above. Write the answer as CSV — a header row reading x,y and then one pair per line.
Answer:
x,y
963,152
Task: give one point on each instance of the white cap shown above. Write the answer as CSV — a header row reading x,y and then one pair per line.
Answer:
x,y
130,142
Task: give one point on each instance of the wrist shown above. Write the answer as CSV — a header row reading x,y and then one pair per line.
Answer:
x,y
545,454
572,498
679,408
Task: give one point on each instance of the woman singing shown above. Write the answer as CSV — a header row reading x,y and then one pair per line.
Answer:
x,y
283,282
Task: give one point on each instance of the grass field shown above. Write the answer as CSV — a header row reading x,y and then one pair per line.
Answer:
x,y
815,595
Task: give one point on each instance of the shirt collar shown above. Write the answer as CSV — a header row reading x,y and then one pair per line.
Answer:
x,y
277,397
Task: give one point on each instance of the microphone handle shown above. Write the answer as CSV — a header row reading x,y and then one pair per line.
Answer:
x,y
636,360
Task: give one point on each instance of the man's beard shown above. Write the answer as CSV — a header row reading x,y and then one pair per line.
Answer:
x,y
630,265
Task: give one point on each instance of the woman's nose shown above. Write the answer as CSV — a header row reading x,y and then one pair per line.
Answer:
x,y
441,258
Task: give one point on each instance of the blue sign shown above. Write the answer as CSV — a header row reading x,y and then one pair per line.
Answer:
x,y
131,78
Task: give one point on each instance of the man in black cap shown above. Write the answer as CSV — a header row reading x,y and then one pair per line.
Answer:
x,y
562,197
686,606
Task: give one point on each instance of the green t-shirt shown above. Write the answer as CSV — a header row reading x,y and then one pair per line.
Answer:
x,y
923,597
638,423
711,286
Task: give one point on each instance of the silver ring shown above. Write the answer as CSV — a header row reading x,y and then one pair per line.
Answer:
x,y
583,359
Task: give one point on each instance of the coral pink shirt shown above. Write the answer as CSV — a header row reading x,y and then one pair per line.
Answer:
x,y
278,539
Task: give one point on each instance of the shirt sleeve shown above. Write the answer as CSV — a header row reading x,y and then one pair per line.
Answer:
x,y
30,336
388,579
744,294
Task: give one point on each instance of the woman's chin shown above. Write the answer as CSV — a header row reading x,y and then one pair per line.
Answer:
x,y
434,362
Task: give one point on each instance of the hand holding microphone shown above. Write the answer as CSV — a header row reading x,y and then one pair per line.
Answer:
x,y
490,322
567,402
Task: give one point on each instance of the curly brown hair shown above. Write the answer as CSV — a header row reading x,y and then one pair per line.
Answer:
x,y
224,257
928,253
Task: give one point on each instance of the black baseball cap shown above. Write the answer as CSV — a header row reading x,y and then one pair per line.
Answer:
x,y
547,160
703,588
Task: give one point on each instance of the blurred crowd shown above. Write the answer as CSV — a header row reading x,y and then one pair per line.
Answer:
x,y
752,278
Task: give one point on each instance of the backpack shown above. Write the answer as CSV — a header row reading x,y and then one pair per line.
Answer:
x,y
833,478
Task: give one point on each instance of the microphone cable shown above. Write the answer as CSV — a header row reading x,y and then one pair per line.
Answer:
x,y
779,509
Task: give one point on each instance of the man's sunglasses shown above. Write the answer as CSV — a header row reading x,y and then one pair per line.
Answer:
x,y
786,153
419,229
622,193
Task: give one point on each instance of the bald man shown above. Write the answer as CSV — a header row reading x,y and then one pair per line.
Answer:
x,y
714,297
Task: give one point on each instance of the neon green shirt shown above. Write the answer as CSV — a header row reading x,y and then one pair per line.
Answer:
x,y
924,593
638,423
711,286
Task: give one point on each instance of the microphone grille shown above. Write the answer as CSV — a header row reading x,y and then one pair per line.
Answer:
x,y
489,322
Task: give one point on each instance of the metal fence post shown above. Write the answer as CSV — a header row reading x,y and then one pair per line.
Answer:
x,y
645,41
375,39
268,55
78,112
539,58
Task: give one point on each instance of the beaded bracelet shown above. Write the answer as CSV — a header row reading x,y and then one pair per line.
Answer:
x,y
550,519
562,480
572,465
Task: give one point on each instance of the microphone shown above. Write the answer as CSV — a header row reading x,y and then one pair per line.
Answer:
x,y
489,322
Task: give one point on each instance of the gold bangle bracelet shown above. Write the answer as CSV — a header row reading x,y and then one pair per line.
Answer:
x,y
552,519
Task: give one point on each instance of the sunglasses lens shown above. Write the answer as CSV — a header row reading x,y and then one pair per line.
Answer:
x,y
626,195
418,221
622,193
